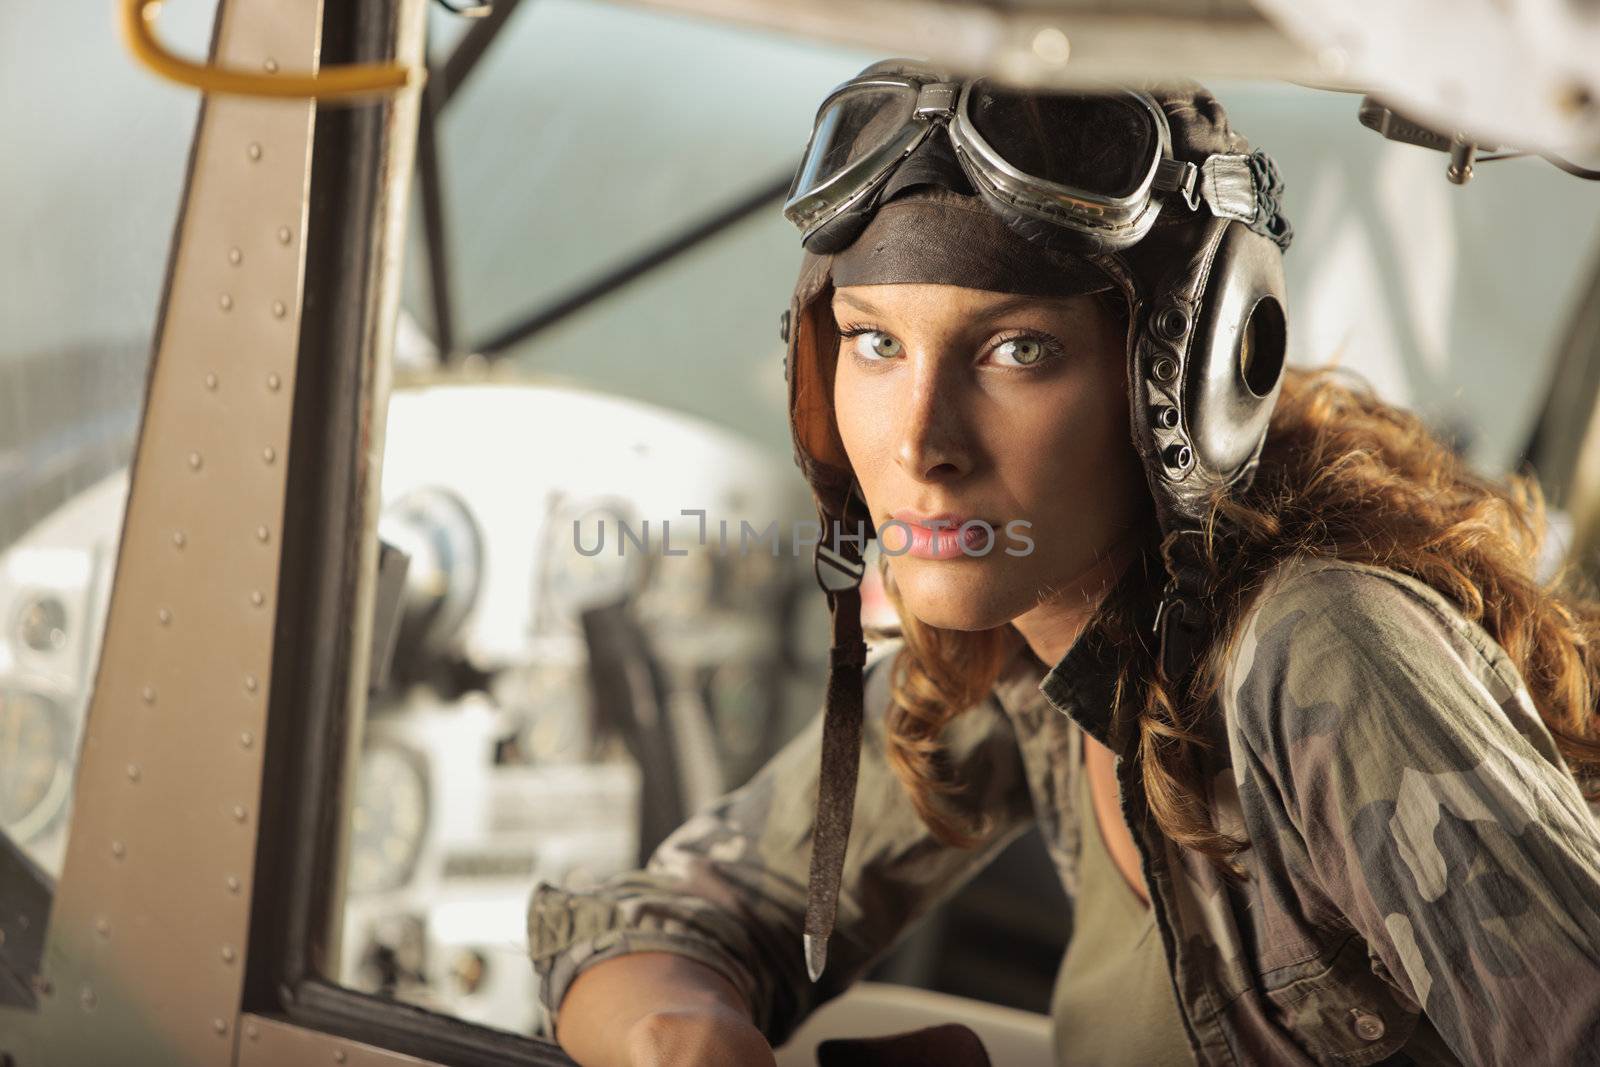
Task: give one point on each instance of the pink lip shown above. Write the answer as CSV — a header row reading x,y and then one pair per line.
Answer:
x,y
946,541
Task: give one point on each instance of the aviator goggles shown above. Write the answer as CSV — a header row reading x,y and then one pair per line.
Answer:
x,y
1098,165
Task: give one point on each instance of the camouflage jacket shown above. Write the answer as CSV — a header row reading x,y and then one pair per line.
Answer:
x,y
1423,878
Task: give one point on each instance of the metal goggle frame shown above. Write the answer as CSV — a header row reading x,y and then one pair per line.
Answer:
x,y
1109,221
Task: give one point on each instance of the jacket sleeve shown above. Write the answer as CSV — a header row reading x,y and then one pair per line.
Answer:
x,y
728,888
1398,758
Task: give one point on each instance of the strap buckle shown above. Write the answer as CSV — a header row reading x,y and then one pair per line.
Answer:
x,y
1175,651
1176,175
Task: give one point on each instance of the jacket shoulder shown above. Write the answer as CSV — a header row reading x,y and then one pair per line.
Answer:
x,y
1342,640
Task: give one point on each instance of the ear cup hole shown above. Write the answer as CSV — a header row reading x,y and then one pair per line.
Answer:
x,y
1262,348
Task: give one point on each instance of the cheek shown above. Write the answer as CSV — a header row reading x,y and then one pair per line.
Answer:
x,y
859,417
1071,455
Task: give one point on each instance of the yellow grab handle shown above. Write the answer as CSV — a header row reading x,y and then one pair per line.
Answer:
x,y
138,30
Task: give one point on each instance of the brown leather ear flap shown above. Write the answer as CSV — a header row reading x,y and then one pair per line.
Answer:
x,y
813,351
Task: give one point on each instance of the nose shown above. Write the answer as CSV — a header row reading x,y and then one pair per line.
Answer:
x,y
934,441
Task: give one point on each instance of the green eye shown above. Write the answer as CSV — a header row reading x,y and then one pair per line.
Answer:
x,y
875,344
1022,351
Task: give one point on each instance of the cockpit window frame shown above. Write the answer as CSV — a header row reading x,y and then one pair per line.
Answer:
x,y
309,761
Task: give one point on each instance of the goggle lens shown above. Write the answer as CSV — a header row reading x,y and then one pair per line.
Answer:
x,y
1104,145
856,123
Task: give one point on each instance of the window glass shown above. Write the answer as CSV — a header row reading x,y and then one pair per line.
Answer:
x,y
591,131
83,251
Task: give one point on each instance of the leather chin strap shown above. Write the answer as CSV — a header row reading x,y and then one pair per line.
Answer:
x,y
836,789
839,568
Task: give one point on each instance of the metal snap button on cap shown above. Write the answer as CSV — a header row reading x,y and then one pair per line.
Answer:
x,y
1368,1027
1172,323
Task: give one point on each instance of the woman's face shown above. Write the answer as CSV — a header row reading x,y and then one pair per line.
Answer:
x,y
980,405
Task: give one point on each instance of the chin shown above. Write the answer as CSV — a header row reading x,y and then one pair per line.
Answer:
x,y
954,595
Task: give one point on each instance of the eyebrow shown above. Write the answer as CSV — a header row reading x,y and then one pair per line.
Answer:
x,y
998,309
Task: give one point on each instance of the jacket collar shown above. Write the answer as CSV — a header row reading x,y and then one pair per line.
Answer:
x,y
1082,686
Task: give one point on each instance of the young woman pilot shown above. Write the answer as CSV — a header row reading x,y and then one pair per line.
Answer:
x,y
1273,673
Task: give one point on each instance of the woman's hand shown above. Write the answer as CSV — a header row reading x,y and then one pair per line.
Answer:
x,y
708,1037
658,1009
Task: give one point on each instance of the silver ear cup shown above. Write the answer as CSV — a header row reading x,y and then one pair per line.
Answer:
x,y
1236,359
1207,360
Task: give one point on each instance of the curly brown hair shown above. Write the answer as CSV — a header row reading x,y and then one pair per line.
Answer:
x,y
1343,475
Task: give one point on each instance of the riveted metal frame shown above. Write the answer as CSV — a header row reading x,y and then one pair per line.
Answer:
x,y
273,1043
294,1012
144,956
200,892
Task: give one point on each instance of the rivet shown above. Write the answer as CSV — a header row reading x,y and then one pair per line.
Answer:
x,y
250,683
233,884
235,256
178,539
87,998
219,1025
254,151
118,849
278,309
238,813
262,533
256,599
285,235
195,461
133,772
148,695
269,454
164,617
273,381
338,1055
270,66
211,382
252,1031
102,926
227,954
1164,369
1172,323
225,302
246,739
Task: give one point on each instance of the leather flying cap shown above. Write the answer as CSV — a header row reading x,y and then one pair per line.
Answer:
x,y
941,237
931,227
